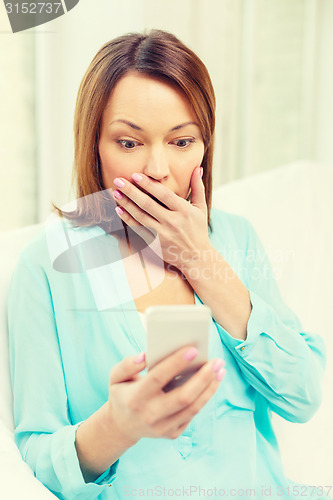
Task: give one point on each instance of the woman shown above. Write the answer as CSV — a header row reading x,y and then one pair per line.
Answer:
x,y
88,424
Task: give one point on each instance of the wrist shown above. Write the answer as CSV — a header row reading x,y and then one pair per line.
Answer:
x,y
110,425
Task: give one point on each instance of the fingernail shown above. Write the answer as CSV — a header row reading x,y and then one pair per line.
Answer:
x,y
201,171
191,353
136,177
119,210
117,195
140,358
119,183
220,374
217,365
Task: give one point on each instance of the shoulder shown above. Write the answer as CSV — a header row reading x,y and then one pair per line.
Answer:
x,y
34,245
51,240
27,246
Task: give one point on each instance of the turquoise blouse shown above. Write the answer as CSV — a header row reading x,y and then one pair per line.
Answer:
x,y
71,317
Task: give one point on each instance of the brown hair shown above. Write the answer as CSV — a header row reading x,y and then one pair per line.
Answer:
x,y
158,54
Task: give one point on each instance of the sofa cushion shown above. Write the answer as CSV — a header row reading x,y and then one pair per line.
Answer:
x,y
291,209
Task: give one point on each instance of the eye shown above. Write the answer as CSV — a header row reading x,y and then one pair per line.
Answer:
x,y
183,143
128,144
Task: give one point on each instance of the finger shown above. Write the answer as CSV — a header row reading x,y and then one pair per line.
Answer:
x,y
129,202
128,368
135,200
183,396
179,429
198,197
151,196
160,374
160,193
187,414
147,234
125,216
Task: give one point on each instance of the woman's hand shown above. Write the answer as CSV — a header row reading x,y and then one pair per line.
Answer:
x,y
138,405
181,227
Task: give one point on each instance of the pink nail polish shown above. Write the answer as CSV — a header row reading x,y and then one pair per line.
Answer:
x,y
117,195
217,365
119,183
136,177
201,172
140,358
119,210
220,374
191,353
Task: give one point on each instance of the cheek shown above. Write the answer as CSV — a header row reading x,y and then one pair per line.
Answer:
x,y
184,168
200,154
183,180
192,161
113,164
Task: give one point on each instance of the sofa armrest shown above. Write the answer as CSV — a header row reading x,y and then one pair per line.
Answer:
x,y
17,480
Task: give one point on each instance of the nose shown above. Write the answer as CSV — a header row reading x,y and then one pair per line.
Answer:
x,y
157,164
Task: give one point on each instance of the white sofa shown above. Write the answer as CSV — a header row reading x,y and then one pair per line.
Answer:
x,y
17,481
291,208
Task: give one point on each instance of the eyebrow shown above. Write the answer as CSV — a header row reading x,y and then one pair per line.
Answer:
x,y
136,127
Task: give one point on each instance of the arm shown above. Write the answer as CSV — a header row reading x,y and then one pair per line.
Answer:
x,y
44,431
280,360
99,443
216,283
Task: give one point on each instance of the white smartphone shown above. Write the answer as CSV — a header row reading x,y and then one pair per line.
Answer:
x,y
171,327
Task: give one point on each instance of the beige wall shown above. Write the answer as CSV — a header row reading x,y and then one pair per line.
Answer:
x,y
270,62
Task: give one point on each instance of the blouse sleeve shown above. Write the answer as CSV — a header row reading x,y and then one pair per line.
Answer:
x,y
44,432
281,361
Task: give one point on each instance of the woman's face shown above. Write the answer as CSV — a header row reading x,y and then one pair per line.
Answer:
x,y
148,126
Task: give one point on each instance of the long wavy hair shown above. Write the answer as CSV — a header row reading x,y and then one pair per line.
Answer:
x,y
156,53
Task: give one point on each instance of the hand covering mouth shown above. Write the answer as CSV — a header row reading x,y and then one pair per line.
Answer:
x,y
158,201
155,199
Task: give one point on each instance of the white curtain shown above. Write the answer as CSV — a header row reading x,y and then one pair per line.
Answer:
x,y
264,59
270,62
18,168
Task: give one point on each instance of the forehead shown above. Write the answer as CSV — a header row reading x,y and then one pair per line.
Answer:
x,y
141,96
